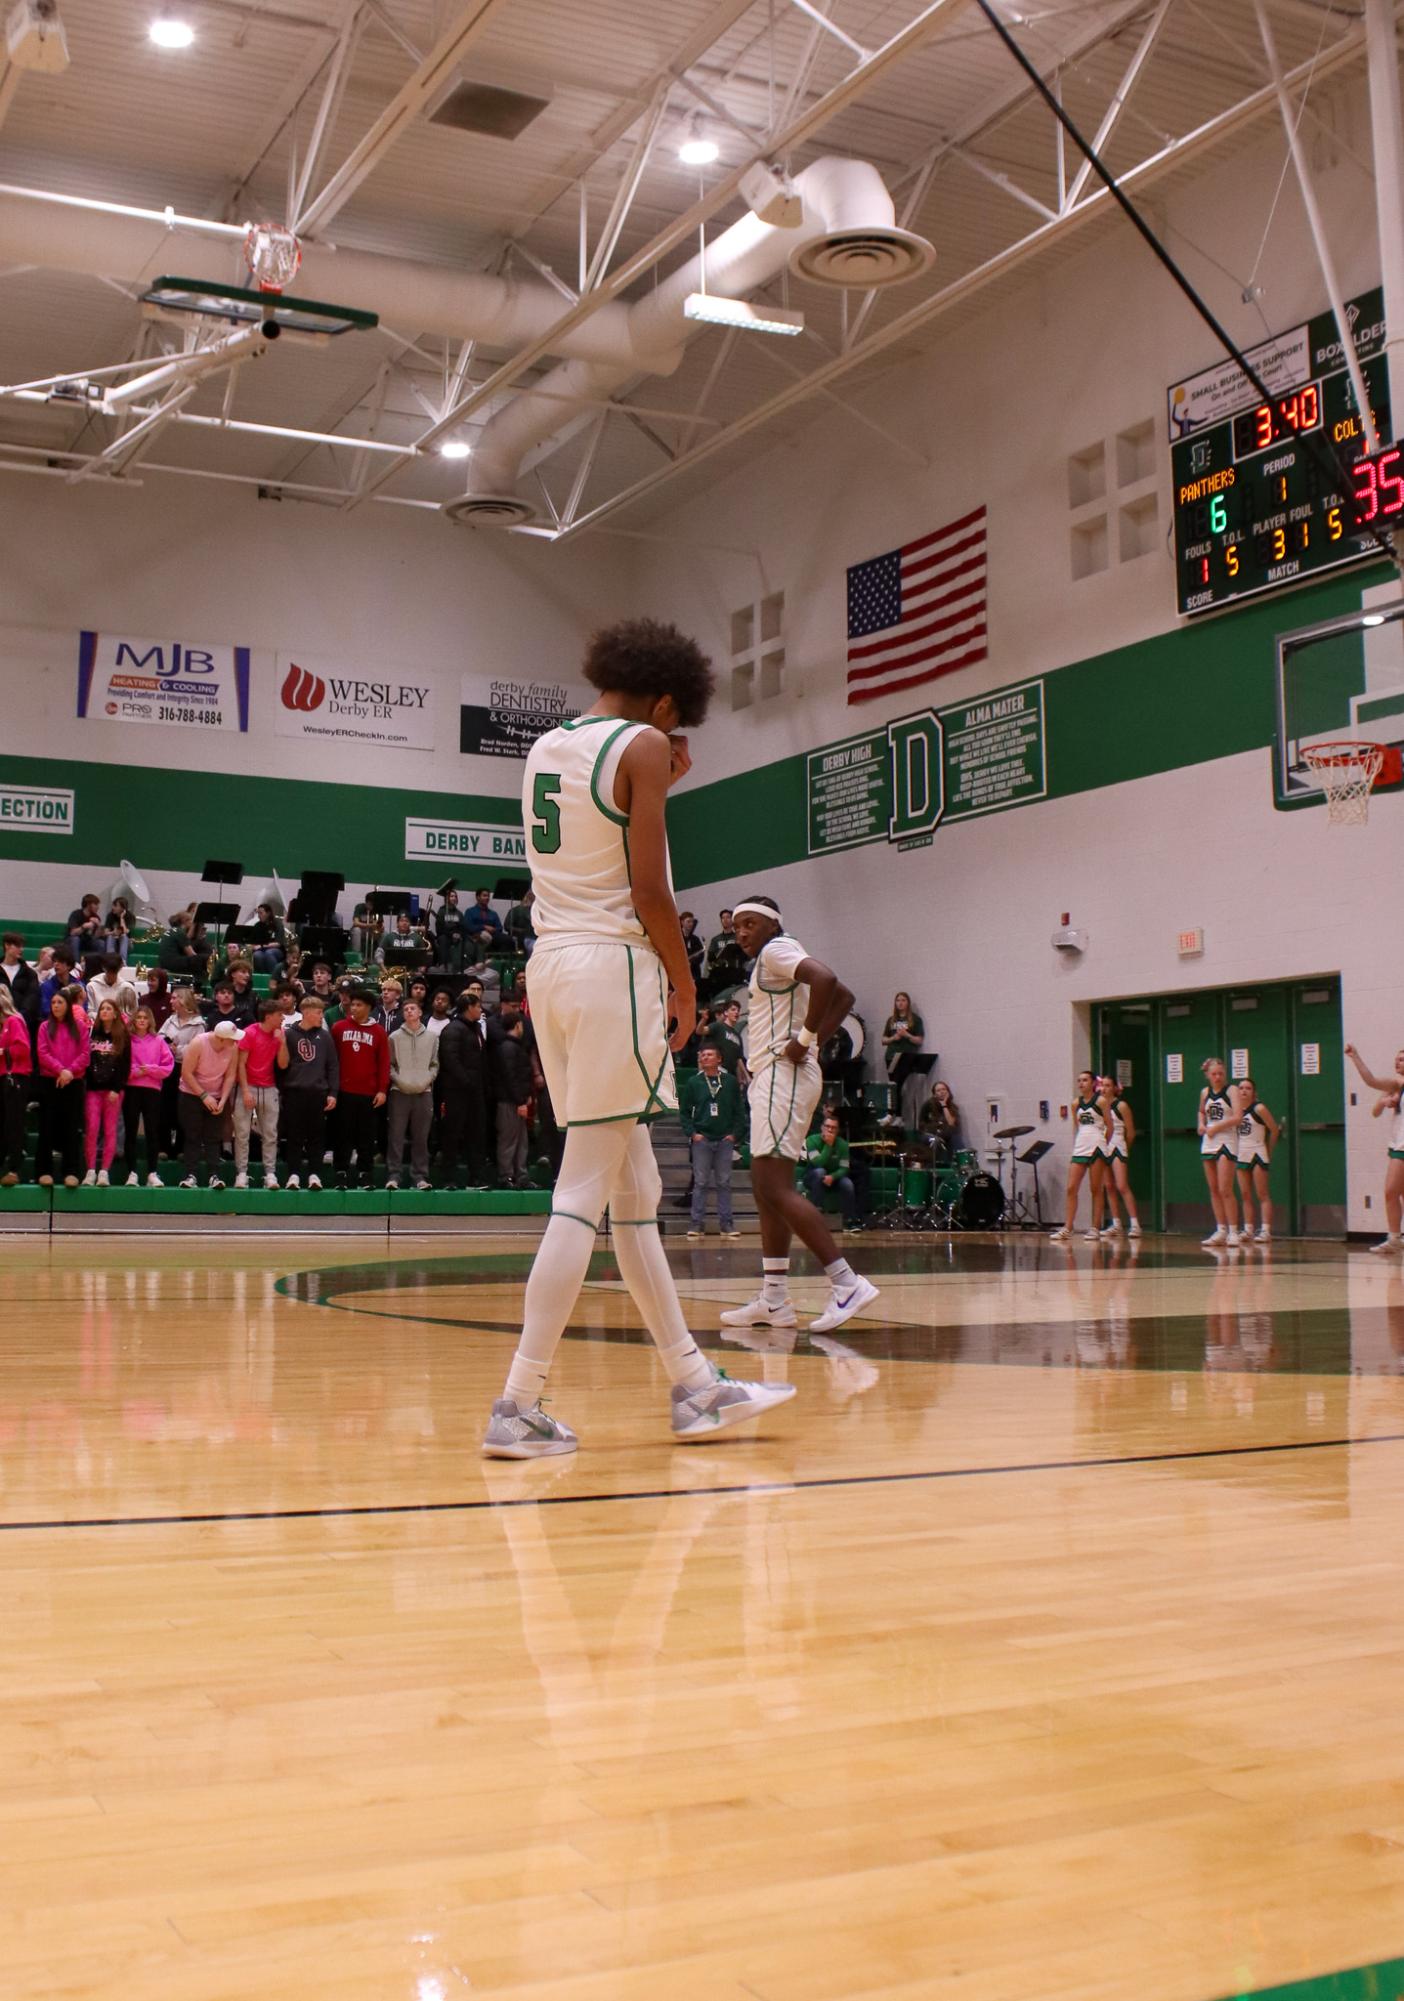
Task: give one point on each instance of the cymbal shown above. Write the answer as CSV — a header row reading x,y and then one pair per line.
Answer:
x,y
1013,1132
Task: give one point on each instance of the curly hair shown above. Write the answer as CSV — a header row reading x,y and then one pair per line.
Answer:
x,y
644,656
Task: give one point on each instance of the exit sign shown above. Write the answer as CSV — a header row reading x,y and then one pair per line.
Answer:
x,y
1190,944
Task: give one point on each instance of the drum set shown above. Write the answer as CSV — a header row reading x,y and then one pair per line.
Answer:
x,y
941,1189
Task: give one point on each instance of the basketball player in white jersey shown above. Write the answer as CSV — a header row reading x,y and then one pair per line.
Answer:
x,y
609,946
796,1003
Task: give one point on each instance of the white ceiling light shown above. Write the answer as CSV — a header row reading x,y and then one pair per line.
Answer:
x,y
719,311
696,149
454,448
169,33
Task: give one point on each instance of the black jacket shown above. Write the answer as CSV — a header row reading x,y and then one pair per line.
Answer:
x,y
512,1065
24,991
464,1058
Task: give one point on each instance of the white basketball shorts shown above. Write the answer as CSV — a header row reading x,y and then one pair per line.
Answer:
x,y
600,1014
784,1098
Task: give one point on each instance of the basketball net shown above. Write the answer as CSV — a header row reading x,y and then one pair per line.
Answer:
x,y
1345,772
272,254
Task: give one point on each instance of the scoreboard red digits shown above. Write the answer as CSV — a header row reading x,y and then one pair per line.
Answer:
x,y
1270,489
1377,499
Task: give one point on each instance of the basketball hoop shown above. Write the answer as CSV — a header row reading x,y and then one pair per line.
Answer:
x,y
272,254
1345,772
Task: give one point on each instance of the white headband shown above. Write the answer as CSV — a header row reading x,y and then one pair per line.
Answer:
x,y
757,910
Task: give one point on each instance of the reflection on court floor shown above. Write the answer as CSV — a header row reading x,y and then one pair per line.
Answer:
x,y
1048,1644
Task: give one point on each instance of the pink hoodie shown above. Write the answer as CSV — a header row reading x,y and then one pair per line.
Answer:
x,y
63,1046
152,1062
15,1058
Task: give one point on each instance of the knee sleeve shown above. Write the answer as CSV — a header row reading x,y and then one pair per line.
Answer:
x,y
590,1168
639,1187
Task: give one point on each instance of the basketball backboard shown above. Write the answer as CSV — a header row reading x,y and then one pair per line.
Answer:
x,y
182,299
1341,679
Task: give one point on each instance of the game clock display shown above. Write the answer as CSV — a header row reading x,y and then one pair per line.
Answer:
x,y
1256,508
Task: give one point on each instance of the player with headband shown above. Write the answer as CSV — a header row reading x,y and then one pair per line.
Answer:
x,y
796,1003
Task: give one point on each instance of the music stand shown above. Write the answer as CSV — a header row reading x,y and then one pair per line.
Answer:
x,y
389,902
1019,1208
221,915
228,875
324,941
511,888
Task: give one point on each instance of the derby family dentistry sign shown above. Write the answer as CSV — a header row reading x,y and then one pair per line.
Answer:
x,y
320,702
172,683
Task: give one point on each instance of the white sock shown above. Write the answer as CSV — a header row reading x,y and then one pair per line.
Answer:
x,y
590,1167
644,1268
839,1273
775,1281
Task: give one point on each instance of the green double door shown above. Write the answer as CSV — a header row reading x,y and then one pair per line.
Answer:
x,y
1287,1038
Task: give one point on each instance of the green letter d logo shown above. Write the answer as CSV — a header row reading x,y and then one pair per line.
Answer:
x,y
915,746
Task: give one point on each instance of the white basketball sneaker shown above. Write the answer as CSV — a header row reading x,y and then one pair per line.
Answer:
x,y
1133,1228
700,1415
756,1313
1060,1235
514,1433
860,1293
1212,1243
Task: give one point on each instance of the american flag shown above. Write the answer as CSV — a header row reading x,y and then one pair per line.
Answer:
x,y
918,611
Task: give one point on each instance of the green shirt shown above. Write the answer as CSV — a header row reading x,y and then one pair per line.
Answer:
x,y
828,1159
700,1094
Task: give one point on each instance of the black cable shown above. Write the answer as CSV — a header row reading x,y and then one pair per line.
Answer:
x,y
1314,442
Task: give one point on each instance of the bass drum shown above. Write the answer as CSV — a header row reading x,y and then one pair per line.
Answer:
x,y
857,1034
980,1205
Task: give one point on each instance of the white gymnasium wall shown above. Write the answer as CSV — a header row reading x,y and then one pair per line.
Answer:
x,y
387,593
1080,352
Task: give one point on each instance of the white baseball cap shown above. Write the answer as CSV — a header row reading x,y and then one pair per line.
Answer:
x,y
226,1031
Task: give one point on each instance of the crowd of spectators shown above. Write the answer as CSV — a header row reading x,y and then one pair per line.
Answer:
x,y
418,1066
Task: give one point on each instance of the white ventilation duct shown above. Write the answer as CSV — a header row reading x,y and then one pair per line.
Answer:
x,y
104,240
847,236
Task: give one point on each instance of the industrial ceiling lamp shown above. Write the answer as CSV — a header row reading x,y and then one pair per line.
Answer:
x,y
696,148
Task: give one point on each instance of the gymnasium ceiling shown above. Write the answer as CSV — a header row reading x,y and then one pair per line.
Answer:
x,y
225,130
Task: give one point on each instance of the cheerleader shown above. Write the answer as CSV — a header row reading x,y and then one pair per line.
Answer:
x,y
1258,1134
1116,1174
1391,1099
1218,1146
1090,1141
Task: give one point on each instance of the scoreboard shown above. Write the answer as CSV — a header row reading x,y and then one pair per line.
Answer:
x,y
1255,508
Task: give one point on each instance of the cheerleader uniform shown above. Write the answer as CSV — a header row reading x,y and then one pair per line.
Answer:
x,y
1091,1133
1116,1148
1213,1146
1253,1139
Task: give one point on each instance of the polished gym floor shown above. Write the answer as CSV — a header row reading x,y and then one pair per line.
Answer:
x,y
1050,1643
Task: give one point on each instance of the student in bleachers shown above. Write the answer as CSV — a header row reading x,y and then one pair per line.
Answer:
x,y
157,997
112,983
245,999
363,1083
414,1065
309,1093
464,1070
85,929
19,979
109,1065
269,941
152,1062
483,921
208,1073
16,1087
222,1006
60,975
63,1062
179,1029
263,1053
177,953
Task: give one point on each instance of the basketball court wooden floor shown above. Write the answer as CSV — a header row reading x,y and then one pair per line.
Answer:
x,y
1051,1643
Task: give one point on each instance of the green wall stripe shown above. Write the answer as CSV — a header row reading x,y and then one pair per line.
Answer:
x,y
1201,692
178,819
